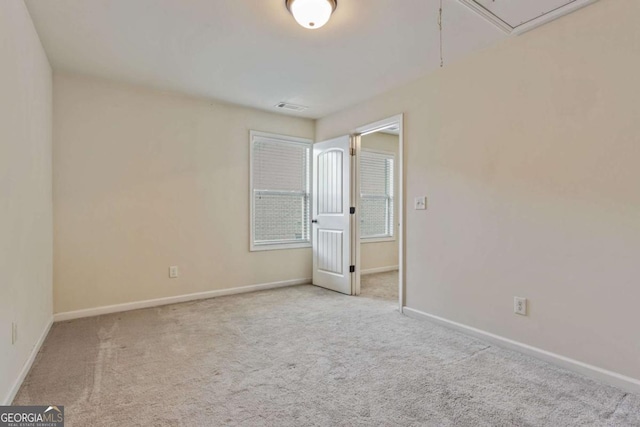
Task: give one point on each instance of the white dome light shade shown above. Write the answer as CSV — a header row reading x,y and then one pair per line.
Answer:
x,y
311,14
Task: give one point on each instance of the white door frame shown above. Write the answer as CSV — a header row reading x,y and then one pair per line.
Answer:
x,y
361,131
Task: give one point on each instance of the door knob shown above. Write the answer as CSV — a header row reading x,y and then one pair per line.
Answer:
x,y
314,221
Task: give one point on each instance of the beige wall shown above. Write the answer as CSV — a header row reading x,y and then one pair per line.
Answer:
x,y
529,155
374,255
144,180
25,191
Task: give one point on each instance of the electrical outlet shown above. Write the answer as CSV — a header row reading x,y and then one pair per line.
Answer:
x,y
420,203
520,306
173,272
14,333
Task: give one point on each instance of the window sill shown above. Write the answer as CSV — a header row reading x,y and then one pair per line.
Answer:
x,y
279,246
377,239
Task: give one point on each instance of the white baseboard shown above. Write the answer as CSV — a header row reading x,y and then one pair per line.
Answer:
x,y
107,309
27,365
378,270
612,378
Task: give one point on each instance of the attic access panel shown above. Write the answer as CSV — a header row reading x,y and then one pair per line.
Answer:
x,y
518,16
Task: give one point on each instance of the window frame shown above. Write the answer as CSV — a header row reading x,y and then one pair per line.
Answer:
x,y
280,244
392,225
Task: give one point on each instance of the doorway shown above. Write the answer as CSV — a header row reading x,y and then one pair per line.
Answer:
x,y
378,219
379,189
357,212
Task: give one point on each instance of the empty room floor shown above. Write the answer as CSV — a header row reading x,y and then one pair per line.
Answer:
x,y
302,356
382,286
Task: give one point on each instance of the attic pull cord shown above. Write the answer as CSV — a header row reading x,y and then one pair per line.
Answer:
x,y
440,28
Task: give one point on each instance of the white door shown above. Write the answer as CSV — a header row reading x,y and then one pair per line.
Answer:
x,y
331,222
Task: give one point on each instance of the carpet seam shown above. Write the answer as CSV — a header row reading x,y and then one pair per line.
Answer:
x,y
622,399
475,353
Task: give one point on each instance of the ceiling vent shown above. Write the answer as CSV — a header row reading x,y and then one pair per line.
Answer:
x,y
290,107
518,16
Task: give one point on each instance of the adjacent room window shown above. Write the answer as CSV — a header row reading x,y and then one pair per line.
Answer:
x,y
280,191
376,195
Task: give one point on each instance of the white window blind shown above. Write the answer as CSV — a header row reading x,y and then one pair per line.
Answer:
x,y
280,179
376,194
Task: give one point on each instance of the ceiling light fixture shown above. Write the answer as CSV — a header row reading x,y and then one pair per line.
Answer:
x,y
311,14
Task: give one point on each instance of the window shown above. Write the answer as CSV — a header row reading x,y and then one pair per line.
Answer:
x,y
280,187
376,195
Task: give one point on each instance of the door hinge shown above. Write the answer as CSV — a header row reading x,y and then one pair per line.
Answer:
x,y
352,151
352,210
352,269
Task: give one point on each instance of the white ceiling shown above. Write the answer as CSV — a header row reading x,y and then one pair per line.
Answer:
x,y
252,52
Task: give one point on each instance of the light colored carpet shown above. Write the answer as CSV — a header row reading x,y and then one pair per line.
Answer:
x,y
380,286
302,356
